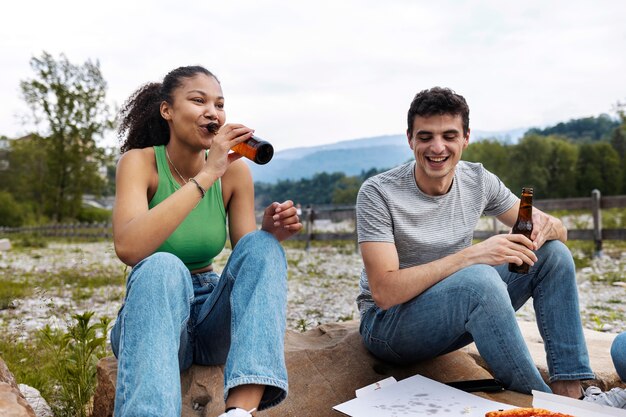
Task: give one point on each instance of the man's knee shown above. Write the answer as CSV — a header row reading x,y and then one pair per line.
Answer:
x,y
555,253
483,279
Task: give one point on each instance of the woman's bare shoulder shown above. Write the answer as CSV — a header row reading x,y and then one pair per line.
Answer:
x,y
138,156
237,174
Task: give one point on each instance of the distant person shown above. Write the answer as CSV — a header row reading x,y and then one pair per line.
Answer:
x,y
173,199
299,209
426,290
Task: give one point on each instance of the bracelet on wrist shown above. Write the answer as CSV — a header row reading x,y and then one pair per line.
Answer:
x,y
202,190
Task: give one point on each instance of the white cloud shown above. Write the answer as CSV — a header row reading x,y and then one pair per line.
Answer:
x,y
311,73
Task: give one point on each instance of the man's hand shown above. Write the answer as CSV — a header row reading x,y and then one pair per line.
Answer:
x,y
546,227
503,248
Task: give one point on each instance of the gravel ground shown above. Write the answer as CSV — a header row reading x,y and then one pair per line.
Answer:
x,y
323,284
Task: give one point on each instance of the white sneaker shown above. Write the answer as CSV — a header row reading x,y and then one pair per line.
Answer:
x,y
616,397
238,412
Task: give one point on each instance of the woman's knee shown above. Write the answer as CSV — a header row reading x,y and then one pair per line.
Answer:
x,y
261,241
161,272
261,247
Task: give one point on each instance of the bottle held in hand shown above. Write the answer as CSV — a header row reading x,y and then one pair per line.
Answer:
x,y
523,225
256,150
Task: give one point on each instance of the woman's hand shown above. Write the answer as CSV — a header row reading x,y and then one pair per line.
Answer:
x,y
281,220
220,156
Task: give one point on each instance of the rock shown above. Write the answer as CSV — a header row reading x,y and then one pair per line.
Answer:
x,y
598,344
5,244
36,401
327,364
12,403
6,376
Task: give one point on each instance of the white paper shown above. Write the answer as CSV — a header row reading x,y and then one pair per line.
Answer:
x,y
361,392
419,396
574,407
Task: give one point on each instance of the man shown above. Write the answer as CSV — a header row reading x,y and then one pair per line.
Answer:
x,y
426,290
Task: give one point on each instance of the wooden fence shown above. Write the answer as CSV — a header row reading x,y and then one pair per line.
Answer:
x,y
593,204
336,214
83,230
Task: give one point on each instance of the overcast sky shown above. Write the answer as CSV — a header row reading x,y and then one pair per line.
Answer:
x,y
308,73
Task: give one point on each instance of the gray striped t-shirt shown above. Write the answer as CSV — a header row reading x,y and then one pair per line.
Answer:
x,y
391,208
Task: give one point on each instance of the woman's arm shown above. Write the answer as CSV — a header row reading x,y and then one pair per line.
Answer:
x,y
137,230
281,220
238,194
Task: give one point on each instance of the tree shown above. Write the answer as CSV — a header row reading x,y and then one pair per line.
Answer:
x,y
599,167
585,130
346,190
69,101
618,141
27,173
493,154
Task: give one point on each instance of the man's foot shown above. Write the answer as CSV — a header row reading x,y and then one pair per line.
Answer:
x,y
567,388
613,398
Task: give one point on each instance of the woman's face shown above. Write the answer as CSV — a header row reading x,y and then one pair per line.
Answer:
x,y
196,112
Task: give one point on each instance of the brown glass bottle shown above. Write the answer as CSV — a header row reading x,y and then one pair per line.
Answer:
x,y
255,149
523,225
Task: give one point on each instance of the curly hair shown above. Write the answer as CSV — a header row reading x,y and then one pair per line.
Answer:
x,y
438,101
141,124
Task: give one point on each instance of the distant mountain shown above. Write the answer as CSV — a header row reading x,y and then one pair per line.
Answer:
x,y
350,156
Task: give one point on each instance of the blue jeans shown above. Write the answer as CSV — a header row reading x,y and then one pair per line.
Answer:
x,y
478,304
618,354
171,319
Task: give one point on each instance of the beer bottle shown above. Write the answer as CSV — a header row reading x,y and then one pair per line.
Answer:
x,y
255,149
523,225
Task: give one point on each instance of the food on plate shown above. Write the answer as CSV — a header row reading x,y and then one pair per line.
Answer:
x,y
526,412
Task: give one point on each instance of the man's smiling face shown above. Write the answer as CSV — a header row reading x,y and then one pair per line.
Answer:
x,y
437,142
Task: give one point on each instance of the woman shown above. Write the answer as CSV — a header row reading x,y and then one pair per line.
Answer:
x,y
169,221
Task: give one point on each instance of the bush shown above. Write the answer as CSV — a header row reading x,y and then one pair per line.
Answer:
x,y
11,212
94,215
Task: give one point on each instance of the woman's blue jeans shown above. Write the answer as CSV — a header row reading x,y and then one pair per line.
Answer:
x,y
171,319
478,304
618,354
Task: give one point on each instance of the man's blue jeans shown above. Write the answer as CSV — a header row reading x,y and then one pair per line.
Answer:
x,y
171,319
478,304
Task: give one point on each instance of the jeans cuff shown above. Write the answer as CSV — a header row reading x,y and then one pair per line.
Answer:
x,y
572,377
275,389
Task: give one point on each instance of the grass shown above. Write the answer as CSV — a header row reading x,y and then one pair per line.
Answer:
x,y
12,290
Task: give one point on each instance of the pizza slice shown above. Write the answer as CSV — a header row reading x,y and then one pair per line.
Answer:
x,y
526,412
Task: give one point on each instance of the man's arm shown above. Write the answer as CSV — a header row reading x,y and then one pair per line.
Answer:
x,y
391,285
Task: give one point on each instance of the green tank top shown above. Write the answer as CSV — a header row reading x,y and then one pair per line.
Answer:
x,y
202,235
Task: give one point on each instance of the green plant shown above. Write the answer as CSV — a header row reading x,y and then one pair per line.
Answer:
x,y
77,352
302,325
93,215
